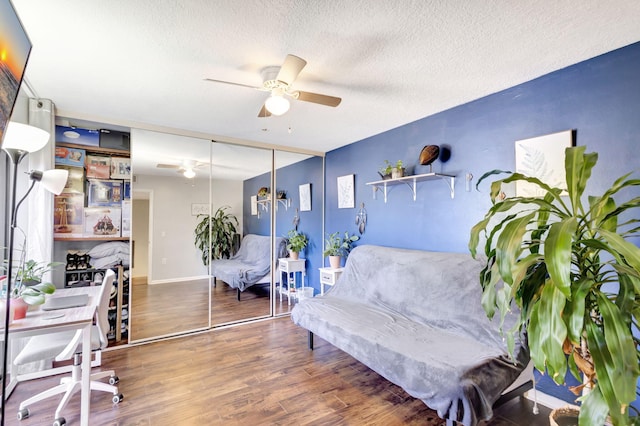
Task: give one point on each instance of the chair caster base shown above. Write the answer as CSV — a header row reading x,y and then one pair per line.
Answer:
x,y
23,414
113,380
117,398
60,421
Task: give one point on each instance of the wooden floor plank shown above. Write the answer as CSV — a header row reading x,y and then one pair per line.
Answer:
x,y
255,374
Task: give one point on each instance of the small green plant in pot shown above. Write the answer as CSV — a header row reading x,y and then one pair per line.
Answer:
x,y
336,246
214,234
28,288
296,242
575,277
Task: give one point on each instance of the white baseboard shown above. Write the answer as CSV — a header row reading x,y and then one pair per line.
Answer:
x,y
547,400
177,280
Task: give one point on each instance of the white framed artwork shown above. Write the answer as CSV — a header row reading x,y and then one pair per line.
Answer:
x,y
346,196
200,208
542,157
254,205
305,197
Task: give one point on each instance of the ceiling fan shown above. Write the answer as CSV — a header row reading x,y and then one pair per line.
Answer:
x,y
278,81
187,168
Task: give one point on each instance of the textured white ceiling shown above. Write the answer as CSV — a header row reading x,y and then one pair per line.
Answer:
x,y
392,62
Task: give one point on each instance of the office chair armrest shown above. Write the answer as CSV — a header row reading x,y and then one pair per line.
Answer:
x,y
70,349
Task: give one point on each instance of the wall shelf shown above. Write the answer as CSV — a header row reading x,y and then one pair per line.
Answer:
x,y
264,204
411,182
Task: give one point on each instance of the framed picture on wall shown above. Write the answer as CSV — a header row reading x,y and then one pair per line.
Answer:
x,y
199,208
542,157
346,196
305,197
254,205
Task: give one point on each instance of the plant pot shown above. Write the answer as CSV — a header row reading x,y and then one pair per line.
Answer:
x,y
397,173
18,308
334,262
294,255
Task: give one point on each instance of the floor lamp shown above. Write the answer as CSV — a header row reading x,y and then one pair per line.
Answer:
x,y
19,141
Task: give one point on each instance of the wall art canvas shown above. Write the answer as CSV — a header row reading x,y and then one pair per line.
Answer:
x,y
346,196
14,54
305,197
254,205
542,157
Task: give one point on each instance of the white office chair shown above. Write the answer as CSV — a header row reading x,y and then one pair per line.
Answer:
x,y
65,345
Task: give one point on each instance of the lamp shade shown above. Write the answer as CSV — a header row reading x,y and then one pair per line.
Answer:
x,y
23,137
52,180
277,105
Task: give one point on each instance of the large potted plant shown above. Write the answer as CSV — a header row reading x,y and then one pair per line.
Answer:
x,y
216,232
336,246
296,242
575,276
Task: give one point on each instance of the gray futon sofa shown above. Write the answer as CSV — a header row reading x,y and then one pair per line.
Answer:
x,y
415,318
251,264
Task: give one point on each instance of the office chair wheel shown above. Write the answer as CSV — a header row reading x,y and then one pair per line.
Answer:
x,y
113,380
60,421
117,398
23,414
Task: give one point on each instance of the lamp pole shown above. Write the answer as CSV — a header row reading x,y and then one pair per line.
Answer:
x,y
16,156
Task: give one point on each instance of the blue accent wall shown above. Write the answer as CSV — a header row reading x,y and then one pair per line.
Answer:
x,y
288,179
599,98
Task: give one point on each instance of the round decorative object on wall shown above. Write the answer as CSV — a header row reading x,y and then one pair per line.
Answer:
x,y
429,154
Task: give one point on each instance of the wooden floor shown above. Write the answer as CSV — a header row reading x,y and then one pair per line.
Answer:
x,y
254,374
170,308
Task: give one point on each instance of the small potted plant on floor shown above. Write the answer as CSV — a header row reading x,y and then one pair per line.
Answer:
x,y
574,273
296,242
336,247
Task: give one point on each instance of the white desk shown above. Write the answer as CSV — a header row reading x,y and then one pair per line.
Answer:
x,y
290,267
41,322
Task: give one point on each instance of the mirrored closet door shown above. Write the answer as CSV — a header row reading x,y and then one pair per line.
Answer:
x,y
241,180
299,193
171,187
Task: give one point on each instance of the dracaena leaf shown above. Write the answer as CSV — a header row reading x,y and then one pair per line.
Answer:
x,y
509,245
553,331
557,253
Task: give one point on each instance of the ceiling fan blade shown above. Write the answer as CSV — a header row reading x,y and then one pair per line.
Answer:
x,y
234,84
263,112
290,69
317,98
167,166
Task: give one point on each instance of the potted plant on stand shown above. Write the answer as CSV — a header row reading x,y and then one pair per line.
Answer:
x,y
29,288
216,232
575,277
296,242
336,246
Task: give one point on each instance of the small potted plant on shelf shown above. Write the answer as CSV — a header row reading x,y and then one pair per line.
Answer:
x,y
574,273
398,170
391,171
296,242
336,247
385,171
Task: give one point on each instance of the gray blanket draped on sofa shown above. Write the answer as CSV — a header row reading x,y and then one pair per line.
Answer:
x,y
416,318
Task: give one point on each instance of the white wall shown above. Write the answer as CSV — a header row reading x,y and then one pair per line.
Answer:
x,y
174,256
140,235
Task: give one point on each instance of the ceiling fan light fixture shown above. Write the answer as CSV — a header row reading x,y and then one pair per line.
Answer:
x,y
277,104
189,173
